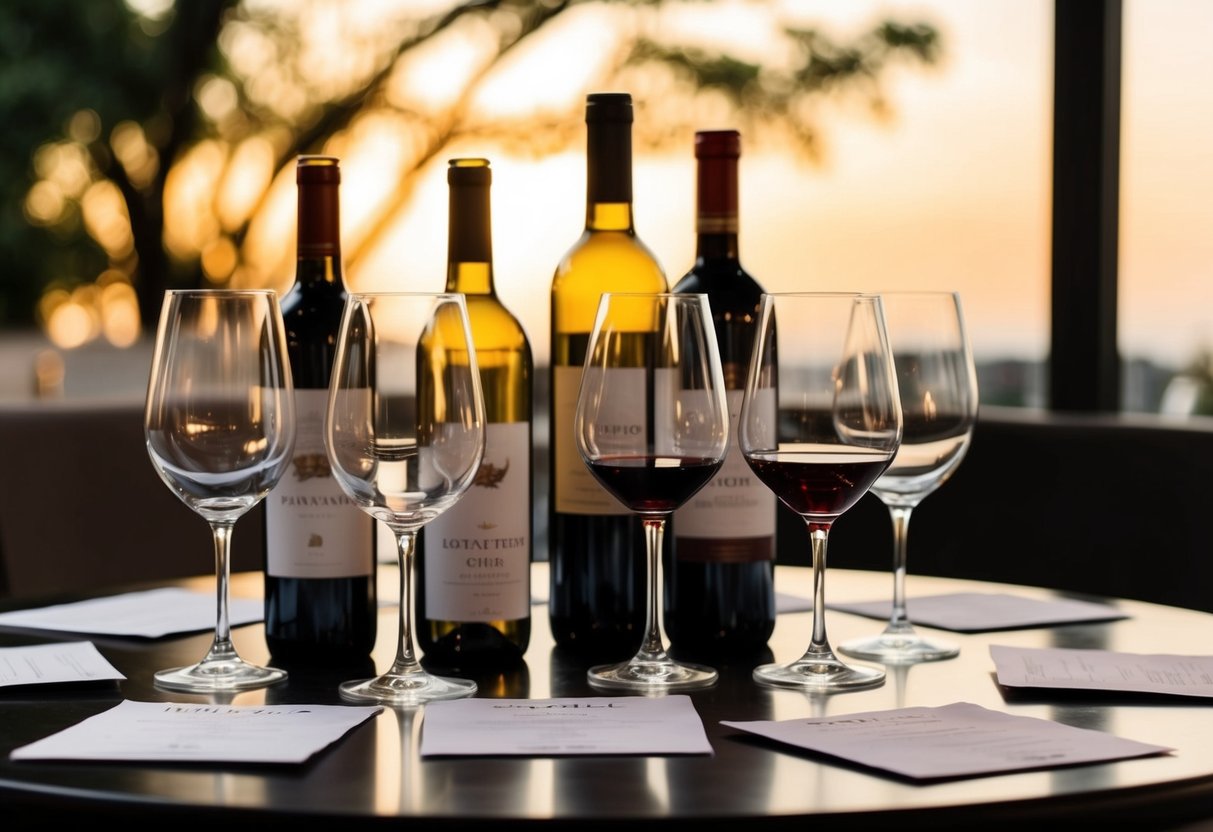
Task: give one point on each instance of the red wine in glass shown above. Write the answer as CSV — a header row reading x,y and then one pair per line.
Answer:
x,y
825,482
653,484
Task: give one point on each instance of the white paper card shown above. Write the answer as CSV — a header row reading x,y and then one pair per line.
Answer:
x,y
44,664
957,740
557,727
182,732
1103,670
969,612
151,614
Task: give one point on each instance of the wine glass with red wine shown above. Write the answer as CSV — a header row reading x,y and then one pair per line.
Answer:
x,y
820,422
652,425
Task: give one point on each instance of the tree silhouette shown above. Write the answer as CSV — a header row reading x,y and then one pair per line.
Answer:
x,y
127,92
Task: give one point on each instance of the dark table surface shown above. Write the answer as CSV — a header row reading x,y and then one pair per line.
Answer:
x,y
375,776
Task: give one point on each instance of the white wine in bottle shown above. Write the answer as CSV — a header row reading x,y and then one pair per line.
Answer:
x,y
474,559
596,546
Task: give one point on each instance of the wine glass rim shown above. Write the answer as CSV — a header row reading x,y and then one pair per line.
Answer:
x,y
389,293
664,295
920,292
821,294
220,292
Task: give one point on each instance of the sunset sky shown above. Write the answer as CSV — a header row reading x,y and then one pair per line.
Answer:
x,y
952,192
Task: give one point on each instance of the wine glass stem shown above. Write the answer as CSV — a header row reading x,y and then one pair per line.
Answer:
x,y
899,621
406,656
222,647
653,648
818,535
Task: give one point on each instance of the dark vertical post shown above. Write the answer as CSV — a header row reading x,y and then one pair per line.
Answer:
x,y
1084,369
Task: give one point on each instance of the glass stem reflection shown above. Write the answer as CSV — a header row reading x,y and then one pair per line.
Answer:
x,y
899,621
653,648
406,658
221,647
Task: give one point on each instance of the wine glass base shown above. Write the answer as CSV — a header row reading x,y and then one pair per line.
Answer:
x,y
218,676
892,648
651,676
818,673
406,690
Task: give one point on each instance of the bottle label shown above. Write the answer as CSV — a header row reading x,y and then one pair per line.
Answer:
x,y
574,490
478,552
735,505
313,530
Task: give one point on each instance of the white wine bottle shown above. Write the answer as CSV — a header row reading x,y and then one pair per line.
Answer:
x,y
474,559
320,605
596,546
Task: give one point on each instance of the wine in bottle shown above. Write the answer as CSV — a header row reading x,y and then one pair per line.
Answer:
x,y
721,601
473,560
596,546
320,602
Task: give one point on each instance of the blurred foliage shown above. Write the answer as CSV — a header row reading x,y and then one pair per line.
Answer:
x,y
81,76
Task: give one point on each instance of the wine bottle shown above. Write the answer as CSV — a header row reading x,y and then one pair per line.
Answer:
x,y
720,600
320,598
473,560
596,546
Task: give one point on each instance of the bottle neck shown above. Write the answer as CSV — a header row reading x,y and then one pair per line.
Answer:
x,y
609,176
469,239
716,208
318,244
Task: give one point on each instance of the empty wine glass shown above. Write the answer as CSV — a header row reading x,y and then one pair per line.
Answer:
x,y
652,425
938,385
405,434
220,427
820,421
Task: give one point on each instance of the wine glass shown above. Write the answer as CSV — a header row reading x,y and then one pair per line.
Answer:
x,y
220,427
938,385
652,425
820,422
405,434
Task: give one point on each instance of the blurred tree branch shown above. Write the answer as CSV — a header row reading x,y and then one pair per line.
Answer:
x,y
122,67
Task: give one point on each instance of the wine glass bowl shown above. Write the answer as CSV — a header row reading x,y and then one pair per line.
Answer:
x,y
219,423
652,426
404,432
939,399
820,422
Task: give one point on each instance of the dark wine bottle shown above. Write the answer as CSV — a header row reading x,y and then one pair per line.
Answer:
x,y
474,560
320,599
720,599
596,546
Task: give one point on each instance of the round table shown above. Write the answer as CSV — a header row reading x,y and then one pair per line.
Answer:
x,y
374,775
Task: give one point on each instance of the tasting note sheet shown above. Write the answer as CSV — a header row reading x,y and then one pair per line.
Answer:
x,y
597,725
952,741
195,733
1057,667
44,664
150,614
975,612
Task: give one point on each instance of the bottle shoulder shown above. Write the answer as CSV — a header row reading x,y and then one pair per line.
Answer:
x,y
618,259
494,326
724,281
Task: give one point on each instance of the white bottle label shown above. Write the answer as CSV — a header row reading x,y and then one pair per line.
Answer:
x,y
313,530
478,552
575,491
735,504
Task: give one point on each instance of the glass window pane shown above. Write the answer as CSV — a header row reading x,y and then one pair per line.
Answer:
x,y
1165,315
